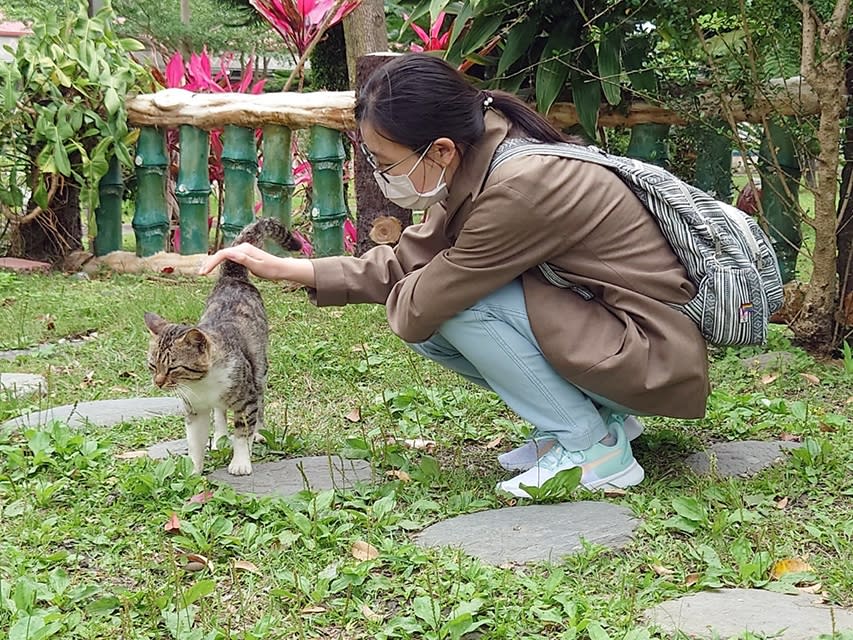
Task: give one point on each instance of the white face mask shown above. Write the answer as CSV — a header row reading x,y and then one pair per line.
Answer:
x,y
401,191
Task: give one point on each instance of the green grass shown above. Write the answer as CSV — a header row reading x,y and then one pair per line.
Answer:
x,y
84,553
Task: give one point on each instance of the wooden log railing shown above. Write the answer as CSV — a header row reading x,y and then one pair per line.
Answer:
x,y
326,115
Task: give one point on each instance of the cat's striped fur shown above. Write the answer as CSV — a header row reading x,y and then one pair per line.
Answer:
x,y
220,364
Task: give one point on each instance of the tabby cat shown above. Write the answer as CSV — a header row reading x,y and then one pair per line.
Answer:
x,y
220,364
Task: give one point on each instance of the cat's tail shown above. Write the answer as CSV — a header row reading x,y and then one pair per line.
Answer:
x,y
256,233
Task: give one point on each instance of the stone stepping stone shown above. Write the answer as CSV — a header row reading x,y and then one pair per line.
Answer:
x,y
771,361
102,413
287,477
22,384
163,450
517,535
729,613
743,458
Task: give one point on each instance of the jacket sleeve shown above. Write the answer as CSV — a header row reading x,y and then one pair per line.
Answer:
x,y
510,229
342,280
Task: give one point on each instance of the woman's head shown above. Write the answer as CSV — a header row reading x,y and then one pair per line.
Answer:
x,y
416,99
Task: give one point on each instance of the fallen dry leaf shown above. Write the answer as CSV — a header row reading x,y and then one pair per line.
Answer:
x,y
849,400
812,588
789,565
809,377
769,378
362,550
494,443
782,503
314,608
197,557
130,455
399,474
827,428
614,492
661,570
245,565
691,579
370,614
194,566
173,524
201,498
790,437
419,443
354,415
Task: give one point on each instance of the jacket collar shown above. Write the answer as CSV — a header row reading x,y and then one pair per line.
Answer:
x,y
471,174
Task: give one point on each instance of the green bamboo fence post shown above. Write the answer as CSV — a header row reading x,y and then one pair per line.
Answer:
x,y
150,218
193,190
276,179
108,213
240,162
780,211
714,164
326,154
648,143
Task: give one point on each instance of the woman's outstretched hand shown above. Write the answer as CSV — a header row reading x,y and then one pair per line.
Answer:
x,y
263,264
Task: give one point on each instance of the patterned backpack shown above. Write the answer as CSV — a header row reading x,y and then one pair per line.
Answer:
x,y
724,251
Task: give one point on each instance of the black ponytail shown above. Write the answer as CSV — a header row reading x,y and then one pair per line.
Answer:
x,y
417,98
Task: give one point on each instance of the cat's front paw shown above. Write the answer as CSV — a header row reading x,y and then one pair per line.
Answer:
x,y
240,467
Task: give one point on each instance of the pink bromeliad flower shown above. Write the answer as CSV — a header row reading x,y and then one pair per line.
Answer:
x,y
299,21
434,40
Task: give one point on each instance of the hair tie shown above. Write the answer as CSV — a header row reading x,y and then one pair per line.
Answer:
x,y
487,101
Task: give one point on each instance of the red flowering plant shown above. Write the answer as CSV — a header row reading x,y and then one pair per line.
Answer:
x,y
434,40
197,75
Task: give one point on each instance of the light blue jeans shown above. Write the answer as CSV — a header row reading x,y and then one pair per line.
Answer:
x,y
492,345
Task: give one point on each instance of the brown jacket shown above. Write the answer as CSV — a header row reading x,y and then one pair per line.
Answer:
x,y
626,344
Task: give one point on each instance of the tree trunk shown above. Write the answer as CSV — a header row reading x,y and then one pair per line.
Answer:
x,y
845,206
365,32
822,67
370,203
54,233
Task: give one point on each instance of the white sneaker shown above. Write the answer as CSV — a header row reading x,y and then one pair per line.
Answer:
x,y
602,465
527,455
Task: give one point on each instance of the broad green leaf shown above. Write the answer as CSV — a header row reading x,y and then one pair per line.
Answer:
x,y
586,96
103,606
597,632
483,28
610,64
436,7
518,41
425,609
60,157
111,101
689,508
199,590
553,68
459,23
131,44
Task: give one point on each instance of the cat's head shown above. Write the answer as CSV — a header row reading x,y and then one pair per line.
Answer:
x,y
177,353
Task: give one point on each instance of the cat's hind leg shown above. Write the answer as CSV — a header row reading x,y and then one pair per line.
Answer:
x,y
220,427
198,430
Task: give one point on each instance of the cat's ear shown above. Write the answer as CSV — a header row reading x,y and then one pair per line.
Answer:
x,y
195,338
154,323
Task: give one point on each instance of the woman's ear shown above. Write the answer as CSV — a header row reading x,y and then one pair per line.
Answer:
x,y
443,151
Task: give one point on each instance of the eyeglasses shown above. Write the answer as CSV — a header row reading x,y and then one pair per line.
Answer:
x,y
374,164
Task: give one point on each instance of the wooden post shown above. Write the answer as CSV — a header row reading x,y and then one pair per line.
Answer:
x,y
240,163
326,155
369,201
150,219
108,213
193,190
